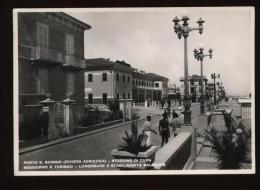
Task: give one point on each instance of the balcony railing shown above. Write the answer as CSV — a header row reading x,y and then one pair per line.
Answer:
x,y
71,60
25,51
51,55
39,53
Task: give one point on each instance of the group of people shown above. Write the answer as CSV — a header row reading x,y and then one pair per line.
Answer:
x,y
164,128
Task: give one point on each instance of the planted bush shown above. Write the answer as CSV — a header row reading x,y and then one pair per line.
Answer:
x,y
133,143
230,146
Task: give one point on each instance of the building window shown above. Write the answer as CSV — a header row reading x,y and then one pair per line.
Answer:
x,y
70,83
90,77
156,85
70,43
104,76
90,98
128,78
123,78
117,77
124,95
104,98
117,95
128,95
42,40
43,81
133,82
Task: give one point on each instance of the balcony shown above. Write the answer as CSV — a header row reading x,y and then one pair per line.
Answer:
x,y
50,56
73,62
39,53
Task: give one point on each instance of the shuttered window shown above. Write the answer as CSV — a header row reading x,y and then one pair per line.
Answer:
x,y
70,83
42,40
70,43
43,81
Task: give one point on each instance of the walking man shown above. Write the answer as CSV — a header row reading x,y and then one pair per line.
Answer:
x,y
147,131
174,123
164,129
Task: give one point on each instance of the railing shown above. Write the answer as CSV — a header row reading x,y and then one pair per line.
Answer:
x,y
47,54
175,154
25,51
71,60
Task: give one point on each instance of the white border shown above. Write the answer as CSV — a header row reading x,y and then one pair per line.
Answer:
x,y
152,172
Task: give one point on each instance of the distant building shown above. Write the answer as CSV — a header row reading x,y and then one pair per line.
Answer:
x,y
149,86
195,86
107,80
210,91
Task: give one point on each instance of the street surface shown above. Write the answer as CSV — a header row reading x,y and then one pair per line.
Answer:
x,y
95,146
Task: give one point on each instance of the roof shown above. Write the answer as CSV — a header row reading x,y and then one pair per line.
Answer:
x,y
102,64
156,77
74,20
194,77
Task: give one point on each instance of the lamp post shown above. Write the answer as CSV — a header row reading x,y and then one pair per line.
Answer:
x,y
183,31
199,55
214,76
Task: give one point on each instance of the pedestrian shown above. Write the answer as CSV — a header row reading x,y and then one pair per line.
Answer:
x,y
44,123
169,102
174,122
147,131
174,114
166,113
162,103
164,129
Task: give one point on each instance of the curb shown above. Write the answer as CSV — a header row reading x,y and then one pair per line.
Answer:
x,y
67,139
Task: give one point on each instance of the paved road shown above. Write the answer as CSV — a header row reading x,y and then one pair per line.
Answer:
x,y
95,146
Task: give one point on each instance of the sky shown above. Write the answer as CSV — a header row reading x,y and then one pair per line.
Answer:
x,y
145,39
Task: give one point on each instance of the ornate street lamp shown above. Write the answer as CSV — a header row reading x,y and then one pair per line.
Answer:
x,y
199,55
214,76
183,31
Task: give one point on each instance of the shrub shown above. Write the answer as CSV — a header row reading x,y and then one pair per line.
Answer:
x,y
134,143
230,146
132,146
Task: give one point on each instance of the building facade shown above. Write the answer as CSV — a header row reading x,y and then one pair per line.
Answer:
x,y
50,59
107,80
148,86
194,86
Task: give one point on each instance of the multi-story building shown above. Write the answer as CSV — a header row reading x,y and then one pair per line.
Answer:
x,y
195,86
50,58
107,80
148,86
210,91
51,54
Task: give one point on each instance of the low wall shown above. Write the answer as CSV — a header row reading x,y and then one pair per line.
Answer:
x,y
79,130
175,154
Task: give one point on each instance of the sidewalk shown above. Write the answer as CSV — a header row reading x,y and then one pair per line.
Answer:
x,y
70,138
